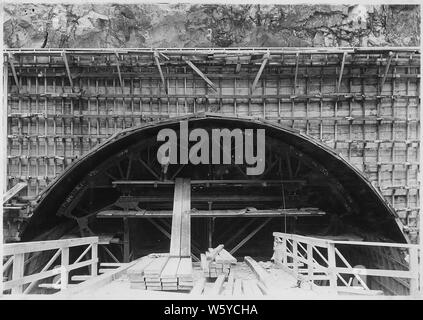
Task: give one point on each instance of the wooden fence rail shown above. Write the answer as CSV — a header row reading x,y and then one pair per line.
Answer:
x,y
316,259
19,253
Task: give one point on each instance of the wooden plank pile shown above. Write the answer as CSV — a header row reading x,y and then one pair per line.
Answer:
x,y
174,271
217,262
162,273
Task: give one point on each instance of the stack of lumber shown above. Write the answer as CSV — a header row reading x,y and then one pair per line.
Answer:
x,y
217,262
174,271
162,273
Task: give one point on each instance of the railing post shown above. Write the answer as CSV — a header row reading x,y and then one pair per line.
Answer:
x,y
332,266
277,254
414,271
64,268
295,254
284,253
310,261
94,258
18,271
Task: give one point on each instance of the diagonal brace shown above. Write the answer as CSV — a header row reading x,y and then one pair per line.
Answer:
x,y
202,75
258,75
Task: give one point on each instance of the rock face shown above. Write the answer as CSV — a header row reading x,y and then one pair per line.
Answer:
x,y
199,25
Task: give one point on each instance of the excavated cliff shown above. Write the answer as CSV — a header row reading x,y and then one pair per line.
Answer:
x,y
199,25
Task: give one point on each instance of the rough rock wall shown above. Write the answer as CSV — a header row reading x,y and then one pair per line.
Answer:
x,y
198,25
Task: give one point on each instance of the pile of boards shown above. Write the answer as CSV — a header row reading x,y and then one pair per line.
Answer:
x,y
161,273
216,262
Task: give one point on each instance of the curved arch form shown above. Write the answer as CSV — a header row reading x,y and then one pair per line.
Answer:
x,y
371,210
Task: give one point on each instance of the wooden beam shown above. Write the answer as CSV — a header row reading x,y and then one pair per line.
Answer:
x,y
118,70
258,75
388,64
249,236
210,213
338,86
297,60
202,75
218,284
15,76
156,60
211,182
149,169
13,191
65,59
198,287
258,270
186,219
126,244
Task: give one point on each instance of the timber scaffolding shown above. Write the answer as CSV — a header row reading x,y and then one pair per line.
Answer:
x,y
362,102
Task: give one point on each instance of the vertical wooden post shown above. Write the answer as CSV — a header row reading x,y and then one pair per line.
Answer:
x,y
414,270
18,271
210,232
126,247
332,266
277,248
310,261
94,257
3,135
295,254
64,275
284,252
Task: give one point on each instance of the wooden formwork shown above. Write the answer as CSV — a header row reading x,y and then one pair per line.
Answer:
x,y
364,103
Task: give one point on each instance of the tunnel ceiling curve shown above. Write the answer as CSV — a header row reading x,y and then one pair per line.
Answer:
x,y
369,207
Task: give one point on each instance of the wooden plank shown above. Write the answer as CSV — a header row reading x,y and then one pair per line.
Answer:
x,y
36,246
171,268
186,219
212,254
248,289
258,75
13,191
198,287
175,241
136,272
18,273
217,286
185,268
156,266
229,288
258,270
202,75
237,288
80,278
225,257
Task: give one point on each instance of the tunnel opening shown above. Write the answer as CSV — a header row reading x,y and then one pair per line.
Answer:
x,y
120,190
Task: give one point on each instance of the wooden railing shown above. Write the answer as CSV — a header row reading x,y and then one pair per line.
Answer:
x,y
315,260
21,252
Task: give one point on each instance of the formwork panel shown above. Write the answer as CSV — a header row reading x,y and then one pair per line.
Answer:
x,y
369,114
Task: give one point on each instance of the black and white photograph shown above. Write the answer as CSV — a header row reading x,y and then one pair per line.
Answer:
x,y
211,150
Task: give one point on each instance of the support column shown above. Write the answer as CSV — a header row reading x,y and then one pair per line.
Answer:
x,y
126,247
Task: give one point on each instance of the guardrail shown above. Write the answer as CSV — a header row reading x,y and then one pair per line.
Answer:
x,y
20,254
316,259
